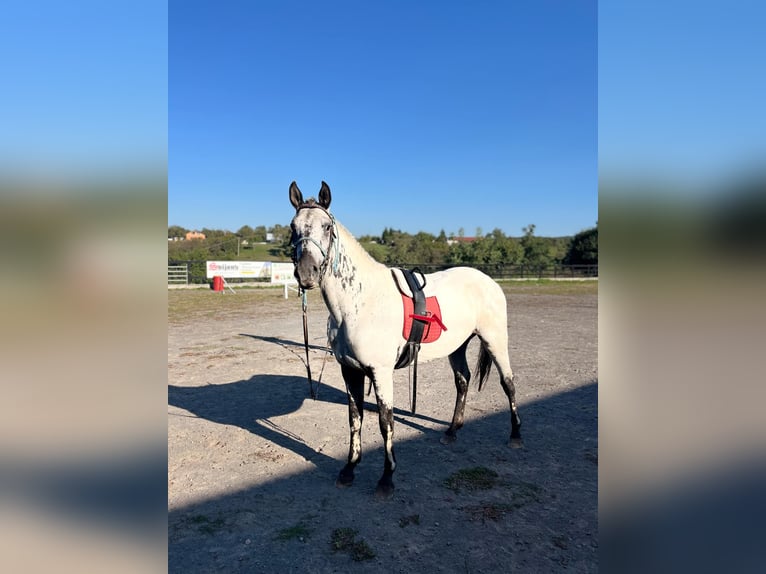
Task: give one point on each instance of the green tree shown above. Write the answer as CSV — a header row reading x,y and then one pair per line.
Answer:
x,y
536,253
259,234
246,232
510,251
281,233
217,234
400,247
583,249
377,251
429,250
176,231
461,253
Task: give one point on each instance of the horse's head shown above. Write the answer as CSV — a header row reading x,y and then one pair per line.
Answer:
x,y
313,234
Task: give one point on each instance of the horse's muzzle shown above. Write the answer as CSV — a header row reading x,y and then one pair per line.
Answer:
x,y
307,274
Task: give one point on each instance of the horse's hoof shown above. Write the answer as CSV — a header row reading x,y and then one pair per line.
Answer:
x,y
448,438
384,491
516,443
344,480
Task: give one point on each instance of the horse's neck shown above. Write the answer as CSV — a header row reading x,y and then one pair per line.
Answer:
x,y
346,285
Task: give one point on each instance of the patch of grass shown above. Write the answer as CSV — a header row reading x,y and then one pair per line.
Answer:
x,y
551,287
486,512
522,493
344,540
362,551
476,478
185,306
300,532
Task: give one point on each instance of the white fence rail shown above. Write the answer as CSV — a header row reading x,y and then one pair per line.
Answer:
x,y
178,274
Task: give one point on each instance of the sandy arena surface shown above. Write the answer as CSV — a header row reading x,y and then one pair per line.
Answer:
x,y
252,460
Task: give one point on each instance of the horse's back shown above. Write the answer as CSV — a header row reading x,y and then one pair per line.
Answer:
x,y
469,301
465,282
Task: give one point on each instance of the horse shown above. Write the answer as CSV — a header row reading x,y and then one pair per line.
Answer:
x,y
365,327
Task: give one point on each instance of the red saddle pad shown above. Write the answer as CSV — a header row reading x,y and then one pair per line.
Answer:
x,y
434,326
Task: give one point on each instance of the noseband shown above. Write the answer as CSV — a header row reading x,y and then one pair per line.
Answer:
x,y
298,243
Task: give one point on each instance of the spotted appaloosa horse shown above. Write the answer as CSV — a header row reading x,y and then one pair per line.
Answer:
x,y
366,320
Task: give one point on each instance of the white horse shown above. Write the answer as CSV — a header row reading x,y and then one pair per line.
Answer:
x,y
366,323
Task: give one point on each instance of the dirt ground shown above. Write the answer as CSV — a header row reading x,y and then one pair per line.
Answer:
x,y
252,460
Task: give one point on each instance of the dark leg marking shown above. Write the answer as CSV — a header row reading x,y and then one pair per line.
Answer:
x,y
384,392
385,488
355,389
510,391
462,372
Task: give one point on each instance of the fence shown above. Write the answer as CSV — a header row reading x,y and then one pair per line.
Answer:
x,y
500,271
195,271
178,274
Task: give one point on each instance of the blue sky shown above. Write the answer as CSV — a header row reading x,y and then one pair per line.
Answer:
x,y
681,89
419,115
84,87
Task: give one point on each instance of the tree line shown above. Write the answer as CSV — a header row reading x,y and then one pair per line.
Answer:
x,y
395,247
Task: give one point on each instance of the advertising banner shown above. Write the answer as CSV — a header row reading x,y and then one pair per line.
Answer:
x,y
239,269
283,273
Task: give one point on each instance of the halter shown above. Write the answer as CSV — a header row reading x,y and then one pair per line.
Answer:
x,y
322,268
298,243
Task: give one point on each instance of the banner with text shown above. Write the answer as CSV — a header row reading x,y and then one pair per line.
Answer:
x,y
240,269
283,273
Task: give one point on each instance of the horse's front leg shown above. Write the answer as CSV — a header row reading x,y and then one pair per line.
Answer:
x,y
384,391
355,388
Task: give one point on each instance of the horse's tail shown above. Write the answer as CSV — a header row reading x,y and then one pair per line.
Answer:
x,y
483,365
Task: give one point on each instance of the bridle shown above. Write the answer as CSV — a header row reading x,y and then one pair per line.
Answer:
x,y
334,241
297,246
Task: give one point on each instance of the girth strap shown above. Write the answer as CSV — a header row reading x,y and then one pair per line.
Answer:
x,y
409,353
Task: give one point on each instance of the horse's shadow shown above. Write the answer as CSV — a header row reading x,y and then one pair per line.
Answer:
x,y
251,404
401,416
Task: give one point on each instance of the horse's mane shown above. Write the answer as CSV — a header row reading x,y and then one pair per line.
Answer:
x,y
359,250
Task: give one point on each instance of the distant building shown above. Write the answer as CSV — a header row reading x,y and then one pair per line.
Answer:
x,y
194,235
270,237
454,240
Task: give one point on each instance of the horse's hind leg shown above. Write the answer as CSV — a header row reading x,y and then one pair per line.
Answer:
x,y
510,392
462,372
355,388
497,348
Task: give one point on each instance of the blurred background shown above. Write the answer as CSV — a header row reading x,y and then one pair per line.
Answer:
x,y
83,213
83,217
682,316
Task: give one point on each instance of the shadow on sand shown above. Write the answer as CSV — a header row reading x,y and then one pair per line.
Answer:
x,y
250,404
249,530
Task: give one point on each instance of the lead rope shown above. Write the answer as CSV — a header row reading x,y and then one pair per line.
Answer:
x,y
304,302
414,371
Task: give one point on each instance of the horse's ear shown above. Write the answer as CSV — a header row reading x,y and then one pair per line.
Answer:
x,y
296,197
325,197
